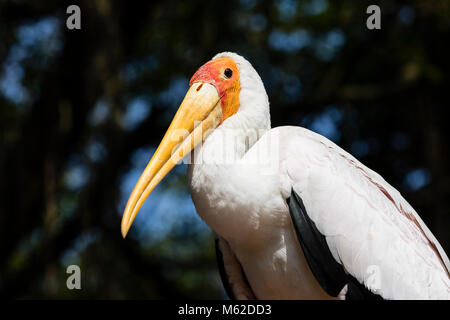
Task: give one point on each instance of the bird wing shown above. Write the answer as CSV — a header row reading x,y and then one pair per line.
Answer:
x,y
370,229
231,272
328,272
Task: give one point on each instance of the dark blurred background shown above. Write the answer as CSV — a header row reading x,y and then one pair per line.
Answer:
x,y
81,112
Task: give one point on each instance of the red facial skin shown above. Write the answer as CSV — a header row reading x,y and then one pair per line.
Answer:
x,y
212,72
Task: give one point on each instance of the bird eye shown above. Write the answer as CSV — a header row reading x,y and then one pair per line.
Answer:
x,y
228,73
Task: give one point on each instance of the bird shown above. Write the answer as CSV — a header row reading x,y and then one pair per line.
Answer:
x,y
294,215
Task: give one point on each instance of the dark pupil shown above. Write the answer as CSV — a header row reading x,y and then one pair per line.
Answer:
x,y
228,73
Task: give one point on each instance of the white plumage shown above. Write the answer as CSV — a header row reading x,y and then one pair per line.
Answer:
x,y
370,229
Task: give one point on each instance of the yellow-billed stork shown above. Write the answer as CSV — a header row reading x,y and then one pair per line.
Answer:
x,y
296,217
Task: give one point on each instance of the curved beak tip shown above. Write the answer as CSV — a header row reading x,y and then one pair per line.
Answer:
x,y
124,228
124,233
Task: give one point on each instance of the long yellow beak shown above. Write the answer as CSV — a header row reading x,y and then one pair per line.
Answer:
x,y
198,114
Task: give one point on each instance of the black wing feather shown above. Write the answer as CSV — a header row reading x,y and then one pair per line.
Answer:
x,y
222,271
328,272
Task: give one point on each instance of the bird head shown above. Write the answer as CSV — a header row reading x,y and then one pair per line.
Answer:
x,y
214,97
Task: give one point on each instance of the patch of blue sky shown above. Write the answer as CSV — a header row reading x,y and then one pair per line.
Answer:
x,y
137,111
11,83
76,174
417,179
96,151
38,32
287,9
173,95
42,37
99,113
17,53
325,123
289,42
134,69
141,157
328,45
314,7
257,22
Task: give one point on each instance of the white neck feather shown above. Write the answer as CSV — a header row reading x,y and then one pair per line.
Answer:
x,y
216,158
